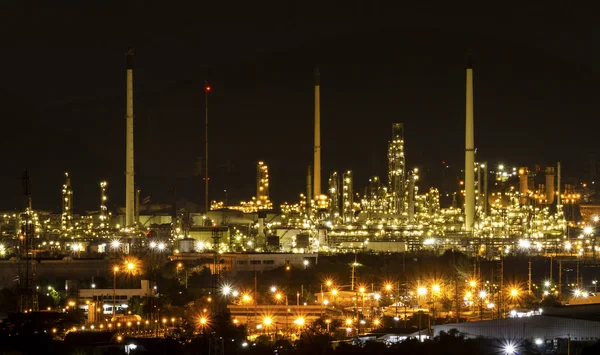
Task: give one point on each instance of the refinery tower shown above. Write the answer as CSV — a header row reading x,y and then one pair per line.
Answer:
x,y
396,169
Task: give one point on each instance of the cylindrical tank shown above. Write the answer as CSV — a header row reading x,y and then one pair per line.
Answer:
x,y
550,185
523,187
186,245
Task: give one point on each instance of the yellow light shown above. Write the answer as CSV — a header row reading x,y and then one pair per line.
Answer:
x,y
362,290
376,322
514,292
435,288
421,291
130,266
472,283
299,321
388,287
334,292
348,321
116,269
267,321
203,320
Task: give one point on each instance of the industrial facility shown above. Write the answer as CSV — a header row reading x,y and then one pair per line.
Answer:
x,y
495,210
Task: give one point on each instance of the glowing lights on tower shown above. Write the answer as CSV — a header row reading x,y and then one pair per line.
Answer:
x,y
103,209
347,198
262,187
396,169
67,204
334,197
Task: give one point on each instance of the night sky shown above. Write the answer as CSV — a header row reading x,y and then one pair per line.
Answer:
x,y
62,92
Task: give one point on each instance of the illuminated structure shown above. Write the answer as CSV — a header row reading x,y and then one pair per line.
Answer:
x,y
334,198
347,198
259,202
262,187
129,162
396,166
375,202
512,217
67,204
523,185
103,209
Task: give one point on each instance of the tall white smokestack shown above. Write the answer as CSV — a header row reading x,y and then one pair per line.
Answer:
x,y
317,157
129,171
469,153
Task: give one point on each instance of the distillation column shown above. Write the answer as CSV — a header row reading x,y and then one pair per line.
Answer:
x,y
334,197
67,203
262,186
396,173
523,185
347,198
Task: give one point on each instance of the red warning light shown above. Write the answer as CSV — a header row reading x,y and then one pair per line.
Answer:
x,y
207,88
444,162
214,226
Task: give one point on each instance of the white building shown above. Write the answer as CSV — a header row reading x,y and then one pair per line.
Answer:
x,y
104,297
250,262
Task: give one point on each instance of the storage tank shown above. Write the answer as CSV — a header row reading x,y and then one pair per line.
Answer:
x,y
186,245
523,184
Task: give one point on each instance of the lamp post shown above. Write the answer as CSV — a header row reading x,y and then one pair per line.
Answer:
x,y
115,270
421,291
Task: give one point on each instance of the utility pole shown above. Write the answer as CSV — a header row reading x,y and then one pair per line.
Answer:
x,y
560,277
529,282
216,237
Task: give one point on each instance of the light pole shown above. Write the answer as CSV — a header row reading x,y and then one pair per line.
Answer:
x,y
421,291
115,270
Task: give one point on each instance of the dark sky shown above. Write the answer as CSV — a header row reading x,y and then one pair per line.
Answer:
x,y
62,91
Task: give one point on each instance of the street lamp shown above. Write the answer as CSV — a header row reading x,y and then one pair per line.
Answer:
x,y
115,270
421,291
